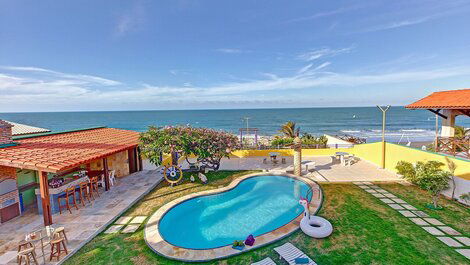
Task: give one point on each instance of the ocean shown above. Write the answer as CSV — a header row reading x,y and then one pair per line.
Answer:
x,y
402,125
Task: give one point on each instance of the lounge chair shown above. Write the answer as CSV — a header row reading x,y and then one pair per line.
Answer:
x,y
289,253
266,261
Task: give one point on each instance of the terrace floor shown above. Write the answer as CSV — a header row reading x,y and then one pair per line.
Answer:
x,y
82,225
327,169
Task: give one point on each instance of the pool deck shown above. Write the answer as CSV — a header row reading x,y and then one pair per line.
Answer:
x,y
155,241
82,225
327,169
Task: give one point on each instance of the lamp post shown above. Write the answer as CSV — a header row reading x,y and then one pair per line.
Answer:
x,y
384,112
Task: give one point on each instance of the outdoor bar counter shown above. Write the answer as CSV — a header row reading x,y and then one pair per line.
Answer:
x,y
56,192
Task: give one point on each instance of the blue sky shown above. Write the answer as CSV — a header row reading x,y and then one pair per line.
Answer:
x,y
191,54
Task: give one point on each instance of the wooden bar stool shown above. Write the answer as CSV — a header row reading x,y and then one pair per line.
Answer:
x,y
83,193
57,242
94,187
28,254
61,231
69,193
22,246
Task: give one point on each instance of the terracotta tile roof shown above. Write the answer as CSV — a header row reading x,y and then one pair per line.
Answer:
x,y
57,152
452,99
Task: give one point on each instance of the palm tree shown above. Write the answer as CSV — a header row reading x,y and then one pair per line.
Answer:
x,y
289,130
461,132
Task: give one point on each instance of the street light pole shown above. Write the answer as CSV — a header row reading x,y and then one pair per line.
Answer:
x,y
384,112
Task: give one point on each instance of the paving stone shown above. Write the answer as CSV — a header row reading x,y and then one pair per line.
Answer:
x,y
389,195
396,206
130,229
465,240
408,207
420,213
449,241
123,220
433,231
407,213
433,221
113,229
378,195
449,230
363,186
381,190
374,187
8,256
419,221
370,190
367,183
464,252
399,201
387,201
138,220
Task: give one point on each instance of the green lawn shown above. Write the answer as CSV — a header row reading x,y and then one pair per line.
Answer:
x,y
366,230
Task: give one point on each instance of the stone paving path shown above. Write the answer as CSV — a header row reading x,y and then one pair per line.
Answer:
x,y
442,232
129,223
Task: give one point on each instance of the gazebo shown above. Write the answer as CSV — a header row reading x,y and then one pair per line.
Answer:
x,y
448,105
61,153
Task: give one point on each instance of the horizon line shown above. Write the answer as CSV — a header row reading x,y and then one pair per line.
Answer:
x,y
70,111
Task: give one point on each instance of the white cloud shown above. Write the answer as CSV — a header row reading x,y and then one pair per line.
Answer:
x,y
323,14
22,90
131,20
46,73
230,50
323,52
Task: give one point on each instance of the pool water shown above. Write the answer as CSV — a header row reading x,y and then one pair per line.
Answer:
x,y
255,206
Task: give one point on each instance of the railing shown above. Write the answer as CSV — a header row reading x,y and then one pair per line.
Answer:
x,y
454,146
351,139
270,147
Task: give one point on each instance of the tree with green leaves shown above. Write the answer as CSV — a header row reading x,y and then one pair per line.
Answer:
x,y
427,175
208,146
289,130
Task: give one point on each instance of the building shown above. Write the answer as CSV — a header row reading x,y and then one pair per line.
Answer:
x,y
448,105
29,163
23,129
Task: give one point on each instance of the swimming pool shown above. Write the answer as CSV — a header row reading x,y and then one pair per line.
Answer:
x,y
257,205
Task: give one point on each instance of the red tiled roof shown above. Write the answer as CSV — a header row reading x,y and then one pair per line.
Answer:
x,y
452,99
58,152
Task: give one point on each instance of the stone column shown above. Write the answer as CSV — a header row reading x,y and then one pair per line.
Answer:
x,y
448,124
297,156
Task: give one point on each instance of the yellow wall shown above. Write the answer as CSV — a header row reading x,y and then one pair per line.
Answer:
x,y
373,153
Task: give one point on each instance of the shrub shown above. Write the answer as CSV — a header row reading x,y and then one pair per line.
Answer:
x,y
427,175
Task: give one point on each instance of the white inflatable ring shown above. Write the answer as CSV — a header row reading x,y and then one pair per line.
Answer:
x,y
316,227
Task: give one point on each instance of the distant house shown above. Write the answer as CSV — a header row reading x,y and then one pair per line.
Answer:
x,y
23,129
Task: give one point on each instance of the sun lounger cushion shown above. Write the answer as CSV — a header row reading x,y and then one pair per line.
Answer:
x,y
301,261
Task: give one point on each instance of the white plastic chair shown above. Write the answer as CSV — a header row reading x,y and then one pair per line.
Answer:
x,y
289,253
266,261
112,178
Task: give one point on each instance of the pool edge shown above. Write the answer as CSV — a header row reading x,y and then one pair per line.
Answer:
x,y
155,241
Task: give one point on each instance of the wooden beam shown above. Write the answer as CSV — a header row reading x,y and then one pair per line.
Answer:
x,y
464,112
106,174
437,112
45,198
139,157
